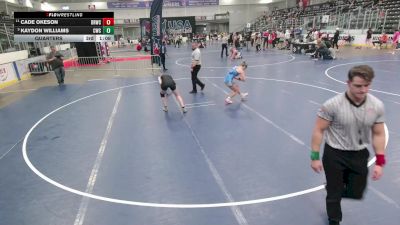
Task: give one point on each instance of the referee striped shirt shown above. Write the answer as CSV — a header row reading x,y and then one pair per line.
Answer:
x,y
351,124
196,57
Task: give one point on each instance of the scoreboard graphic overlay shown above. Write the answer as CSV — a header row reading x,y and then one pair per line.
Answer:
x,y
63,26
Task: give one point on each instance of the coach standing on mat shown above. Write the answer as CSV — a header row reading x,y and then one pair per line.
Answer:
x,y
195,68
55,59
163,52
349,119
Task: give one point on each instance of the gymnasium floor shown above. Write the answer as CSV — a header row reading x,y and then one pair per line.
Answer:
x,y
100,151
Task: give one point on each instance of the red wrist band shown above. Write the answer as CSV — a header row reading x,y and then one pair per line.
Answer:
x,y
380,160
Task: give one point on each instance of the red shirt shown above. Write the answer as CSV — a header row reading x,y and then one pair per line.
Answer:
x,y
384,38
156,51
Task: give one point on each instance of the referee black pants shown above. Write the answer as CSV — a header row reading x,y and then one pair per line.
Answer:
x,y
346,177
224,47
196,80
335,42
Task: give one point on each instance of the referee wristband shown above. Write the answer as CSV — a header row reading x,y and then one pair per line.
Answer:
x,y
314,155
380,160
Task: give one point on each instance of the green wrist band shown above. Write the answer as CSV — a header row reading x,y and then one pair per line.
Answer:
x,y
314,155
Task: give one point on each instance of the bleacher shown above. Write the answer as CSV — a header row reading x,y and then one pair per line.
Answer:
x,y
7,10
392,7
356,14
6,31
7,25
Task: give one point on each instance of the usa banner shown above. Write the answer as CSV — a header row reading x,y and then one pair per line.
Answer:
x,y
155,18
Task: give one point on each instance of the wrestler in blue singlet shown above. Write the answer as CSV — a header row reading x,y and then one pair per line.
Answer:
x,y
230,76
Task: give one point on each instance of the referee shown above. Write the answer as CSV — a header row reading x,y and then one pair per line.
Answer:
x,y
348,120
195,68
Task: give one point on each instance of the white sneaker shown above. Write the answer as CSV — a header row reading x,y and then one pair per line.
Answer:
x,y
244,95
228,100
184,110
165,109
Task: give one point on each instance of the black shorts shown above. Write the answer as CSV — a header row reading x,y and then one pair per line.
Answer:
x,y
167,82
171,85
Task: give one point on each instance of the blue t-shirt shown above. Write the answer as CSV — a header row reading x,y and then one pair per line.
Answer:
x,y
231,75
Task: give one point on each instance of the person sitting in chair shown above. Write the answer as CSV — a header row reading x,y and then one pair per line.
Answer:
x,y
322,51
383,39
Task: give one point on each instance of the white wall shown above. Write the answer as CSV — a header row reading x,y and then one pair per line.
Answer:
x,y
102,4
132,32
46,50
240,2
13,56
239,14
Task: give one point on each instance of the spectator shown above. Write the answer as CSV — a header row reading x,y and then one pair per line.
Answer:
x,y
336,38
396,38
382,40
368,40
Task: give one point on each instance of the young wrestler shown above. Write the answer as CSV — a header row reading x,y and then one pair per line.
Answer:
x,y
166,81
236,73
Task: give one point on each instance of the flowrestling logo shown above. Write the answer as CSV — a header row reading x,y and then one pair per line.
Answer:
x,y
155,17
156,28
156,31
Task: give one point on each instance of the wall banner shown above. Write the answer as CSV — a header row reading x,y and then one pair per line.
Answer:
x,y
170,25
155,19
